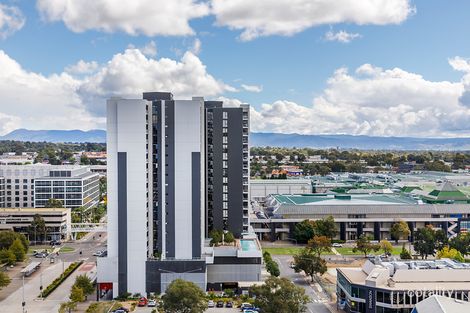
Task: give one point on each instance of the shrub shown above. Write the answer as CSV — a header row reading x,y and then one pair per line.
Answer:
x,y
56,283
405,254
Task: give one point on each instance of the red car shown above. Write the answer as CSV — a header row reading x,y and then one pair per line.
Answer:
x,y
143,301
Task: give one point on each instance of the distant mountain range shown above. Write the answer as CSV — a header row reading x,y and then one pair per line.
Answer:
x,y
270,139
96,135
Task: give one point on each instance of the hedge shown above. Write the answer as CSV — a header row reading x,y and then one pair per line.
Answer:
x,y
59,280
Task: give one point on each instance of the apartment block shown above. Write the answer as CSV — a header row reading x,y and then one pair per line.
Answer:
x,y
227,167
157,190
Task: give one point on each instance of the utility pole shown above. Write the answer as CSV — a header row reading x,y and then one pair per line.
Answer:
x,y
23,304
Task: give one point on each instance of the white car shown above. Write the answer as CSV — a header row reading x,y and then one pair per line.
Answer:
x,y
336,245
152,303
210,304
98,253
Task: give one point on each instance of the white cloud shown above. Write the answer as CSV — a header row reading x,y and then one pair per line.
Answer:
x,y
148,17
11,20
341,36
373,101
197,45
460,64
288,17
34,101
150,49
82,67
252,88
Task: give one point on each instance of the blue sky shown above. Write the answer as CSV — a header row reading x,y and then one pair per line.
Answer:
x,y
394,77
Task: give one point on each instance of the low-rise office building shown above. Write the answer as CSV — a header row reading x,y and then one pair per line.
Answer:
x,y
357,214
77,187
57,221
441,304
261,188
20,186
396,287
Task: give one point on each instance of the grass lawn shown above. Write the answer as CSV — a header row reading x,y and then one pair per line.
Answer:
x,y
283,251
39,248
349,251
66,249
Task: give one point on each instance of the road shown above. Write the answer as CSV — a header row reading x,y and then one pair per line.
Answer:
x,y
47,273
318,299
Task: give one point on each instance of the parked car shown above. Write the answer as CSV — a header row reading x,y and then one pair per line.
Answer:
x,y
152,303
97,253
336,245
55,243
210,304
142,302
220,304
121,310
229,304
41,254
245,306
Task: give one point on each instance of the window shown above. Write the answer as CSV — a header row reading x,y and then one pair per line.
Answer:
x,y
224,123
225,205
225,188
224,115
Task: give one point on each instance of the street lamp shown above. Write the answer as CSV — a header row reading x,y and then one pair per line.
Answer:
x,y
23,303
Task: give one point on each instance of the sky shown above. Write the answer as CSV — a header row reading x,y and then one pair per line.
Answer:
x,y
369,67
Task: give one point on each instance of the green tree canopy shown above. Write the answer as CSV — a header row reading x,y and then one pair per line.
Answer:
x,y
76,294
364,245
304,231
4,280
37,229
280,295
400,230
325,227
7,257
425,242
309,262
54,203
319,245
461,243
450,253
386,246
7,237
184,297
85,283
18,250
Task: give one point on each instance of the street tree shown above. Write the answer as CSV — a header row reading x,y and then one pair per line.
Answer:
x,y
280,295
184,297
18,250
425,242
37,229
364,245
4,280
461,243
309,262
450,253
400,230
304,231
7,237
76,294
386,246
7,257
325,227
85,283
319,245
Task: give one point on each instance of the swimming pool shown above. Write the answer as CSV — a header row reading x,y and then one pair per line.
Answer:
x,y
248,245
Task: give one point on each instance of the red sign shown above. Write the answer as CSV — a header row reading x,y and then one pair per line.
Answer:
x,y
105,286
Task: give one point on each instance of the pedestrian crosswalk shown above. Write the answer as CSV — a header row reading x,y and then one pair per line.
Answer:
x,y
320,300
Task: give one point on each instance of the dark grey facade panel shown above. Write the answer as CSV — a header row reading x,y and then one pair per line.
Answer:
x,y
235,260
159,179
169,178
122,223
196,202
155,96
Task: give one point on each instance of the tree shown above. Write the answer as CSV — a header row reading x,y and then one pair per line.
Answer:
x,y
425,242
304,231
386,246
319,245
76,294
7,237
4,280
54,203
400,230
229,237
450,253
216,236
67,307
38,227
325,227
7,257
280,295
273,268
184,297
364,245
405,254
309,262
18,250
84,283
461,243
